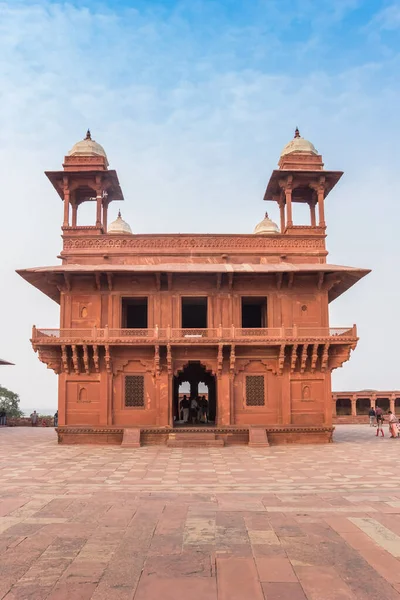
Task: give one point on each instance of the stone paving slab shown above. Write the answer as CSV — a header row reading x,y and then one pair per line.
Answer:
x,y
233,523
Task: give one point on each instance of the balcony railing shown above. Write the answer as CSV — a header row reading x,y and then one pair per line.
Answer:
x,y
171,334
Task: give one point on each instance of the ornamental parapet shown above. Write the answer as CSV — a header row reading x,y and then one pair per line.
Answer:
x,y
214,335
299,349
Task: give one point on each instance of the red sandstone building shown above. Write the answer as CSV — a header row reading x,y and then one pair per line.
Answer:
x,y
247,315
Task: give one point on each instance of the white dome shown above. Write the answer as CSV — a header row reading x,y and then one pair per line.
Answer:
x,y
119,226
87,147
299,144
266,227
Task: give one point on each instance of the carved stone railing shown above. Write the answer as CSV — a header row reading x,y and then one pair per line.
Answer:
x,y
156,335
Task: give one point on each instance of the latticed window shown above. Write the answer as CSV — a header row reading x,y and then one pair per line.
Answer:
x,y
255,390
134,390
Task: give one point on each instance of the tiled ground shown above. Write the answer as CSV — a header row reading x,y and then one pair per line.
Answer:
x,y
281,523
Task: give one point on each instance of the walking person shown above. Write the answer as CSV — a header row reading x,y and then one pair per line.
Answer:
x,y
379,423
392,424
56,419
204,409
185,409
34,418
372,417
193,410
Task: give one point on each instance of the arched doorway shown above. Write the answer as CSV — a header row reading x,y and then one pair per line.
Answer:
x,y
194,380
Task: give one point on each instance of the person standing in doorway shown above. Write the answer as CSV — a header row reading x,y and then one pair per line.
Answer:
x,y
372,417
185,409
193,410
204,409
34,418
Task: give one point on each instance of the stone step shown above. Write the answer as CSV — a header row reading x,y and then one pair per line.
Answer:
x,y
258,437
199,435
193,440
131,438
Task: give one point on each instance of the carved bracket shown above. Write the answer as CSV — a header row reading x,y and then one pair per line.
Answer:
x,y
314,357
75,359
96,359
293,358
220,359
51,357
281,359
108,359
157,361
303,360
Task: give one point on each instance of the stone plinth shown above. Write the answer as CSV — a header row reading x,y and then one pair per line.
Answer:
x,y
131,438
258,437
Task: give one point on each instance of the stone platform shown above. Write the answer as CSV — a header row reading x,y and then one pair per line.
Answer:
x,y
231,435
231,523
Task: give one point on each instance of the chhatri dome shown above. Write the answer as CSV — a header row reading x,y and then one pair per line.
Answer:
x,y
266,226
119,226
299,144
87,147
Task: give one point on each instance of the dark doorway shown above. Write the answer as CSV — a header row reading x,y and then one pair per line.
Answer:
x,y
134,313
343,407
193,381
194,313
383,403
254,312
362,406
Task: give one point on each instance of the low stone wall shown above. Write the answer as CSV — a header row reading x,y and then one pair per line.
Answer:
x,y
27,421
351,420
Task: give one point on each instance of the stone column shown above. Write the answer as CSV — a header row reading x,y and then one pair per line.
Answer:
x,y
373,401
282,214
74,214
62,389
194,388
334,411
98,210
105,417
165,399
288,196
223,400
312,213
392,402
105,214
354,406
98,200
321,209
66,203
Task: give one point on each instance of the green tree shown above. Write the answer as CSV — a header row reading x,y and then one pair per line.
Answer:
x,y
9,401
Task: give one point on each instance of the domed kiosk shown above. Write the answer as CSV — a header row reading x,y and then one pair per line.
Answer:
x,y
266,227
88,147
119,226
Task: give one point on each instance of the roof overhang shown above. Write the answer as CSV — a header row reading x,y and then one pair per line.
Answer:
x,y
50,280
5,362
274,188
110,178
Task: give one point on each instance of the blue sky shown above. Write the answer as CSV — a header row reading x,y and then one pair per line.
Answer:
x,y
193,101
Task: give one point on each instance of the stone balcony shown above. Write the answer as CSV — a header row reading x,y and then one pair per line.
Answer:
x,y
210,336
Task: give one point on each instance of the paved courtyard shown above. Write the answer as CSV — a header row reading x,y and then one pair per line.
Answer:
x,y
280,523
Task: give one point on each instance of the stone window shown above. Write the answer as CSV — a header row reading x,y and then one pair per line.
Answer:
x,y
134,391
255,395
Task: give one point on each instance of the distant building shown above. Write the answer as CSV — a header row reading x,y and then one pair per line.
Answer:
x,y
247,315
